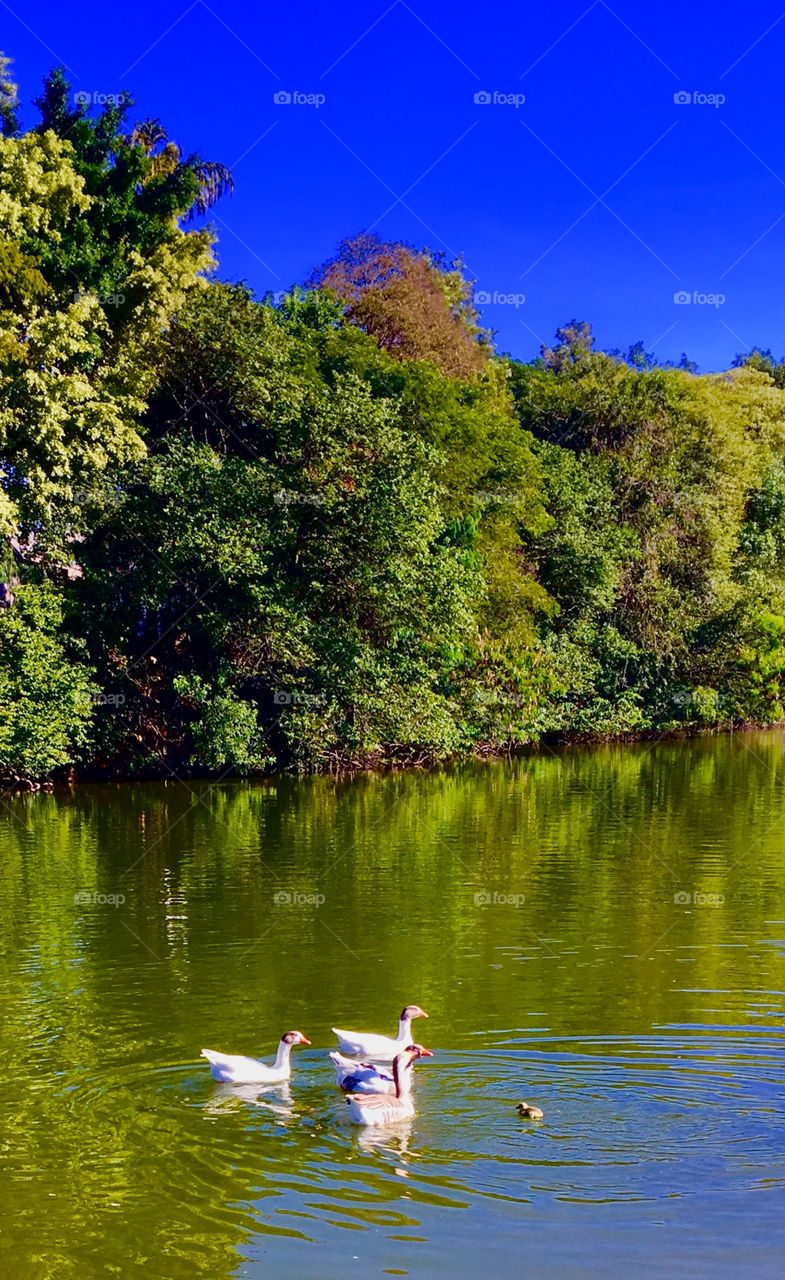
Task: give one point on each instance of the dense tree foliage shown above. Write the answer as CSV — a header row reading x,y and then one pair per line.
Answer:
x,y
413,303
239,535
93,265
660,485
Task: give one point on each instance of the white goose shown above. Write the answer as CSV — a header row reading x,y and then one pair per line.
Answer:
x,y
230,1068
380,1108
361,1077
365,1045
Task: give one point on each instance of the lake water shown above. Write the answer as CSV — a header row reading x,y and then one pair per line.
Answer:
x,y
599,931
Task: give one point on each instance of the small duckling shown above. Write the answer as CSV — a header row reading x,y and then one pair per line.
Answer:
x,y
528,1111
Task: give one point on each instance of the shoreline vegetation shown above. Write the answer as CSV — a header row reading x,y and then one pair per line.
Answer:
x,y
342,768
335,529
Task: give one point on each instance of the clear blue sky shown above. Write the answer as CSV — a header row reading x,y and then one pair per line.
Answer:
x,y
598,198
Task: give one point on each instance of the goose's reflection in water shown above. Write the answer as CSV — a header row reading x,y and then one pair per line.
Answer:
x,y
276,1098
391,1141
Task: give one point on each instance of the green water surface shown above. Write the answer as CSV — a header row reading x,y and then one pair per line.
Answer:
x,y
599,931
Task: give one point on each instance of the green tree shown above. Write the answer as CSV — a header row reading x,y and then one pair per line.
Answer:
x,y
46,697
662,487
282,549
9,98
89,279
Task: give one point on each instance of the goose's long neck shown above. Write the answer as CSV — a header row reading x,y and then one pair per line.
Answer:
x,y
402,1074
404,1031
282,1056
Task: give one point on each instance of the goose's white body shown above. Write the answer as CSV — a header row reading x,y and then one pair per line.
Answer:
x,y
361,1077
229,1068
381,1108
384,1048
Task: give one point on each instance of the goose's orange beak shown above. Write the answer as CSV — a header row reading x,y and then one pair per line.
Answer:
x,y
304,1039
425,1053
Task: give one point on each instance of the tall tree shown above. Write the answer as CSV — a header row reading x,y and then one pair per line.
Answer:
x,y
9,98
413,303
93,266
214,179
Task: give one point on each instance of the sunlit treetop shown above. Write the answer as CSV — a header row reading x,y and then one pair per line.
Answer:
x,y
414,303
